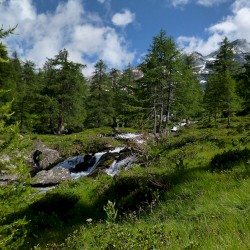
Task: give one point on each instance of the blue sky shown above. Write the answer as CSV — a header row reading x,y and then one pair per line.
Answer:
x,y
119,31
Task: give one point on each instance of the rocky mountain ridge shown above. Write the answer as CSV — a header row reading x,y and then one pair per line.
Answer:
x,y
203,63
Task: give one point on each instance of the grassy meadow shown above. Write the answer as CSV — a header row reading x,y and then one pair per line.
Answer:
x,y
189,190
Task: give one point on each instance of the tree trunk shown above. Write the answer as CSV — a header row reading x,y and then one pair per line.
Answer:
x,y
228,117
162,110
154,122
60,126
168,107
161,119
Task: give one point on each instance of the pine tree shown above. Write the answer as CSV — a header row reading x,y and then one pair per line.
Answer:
x,y
64,93
243,83
188,96
212,96
100,110
8,133
25,100
162,72
223,76
125,103
6,73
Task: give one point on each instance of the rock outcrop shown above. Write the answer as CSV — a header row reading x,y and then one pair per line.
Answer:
x,y
51,177
42,158
6,179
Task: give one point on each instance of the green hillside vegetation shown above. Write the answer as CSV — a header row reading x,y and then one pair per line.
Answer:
x,y
189,189
178,199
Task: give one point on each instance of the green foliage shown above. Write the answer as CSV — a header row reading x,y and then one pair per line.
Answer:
x,y
125,102
8,134
162,71
220,94
111,212
100,110
173,206
243,83
63,94
14,235
188,96
26,99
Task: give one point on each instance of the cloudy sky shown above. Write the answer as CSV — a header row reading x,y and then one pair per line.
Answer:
x,y
119,31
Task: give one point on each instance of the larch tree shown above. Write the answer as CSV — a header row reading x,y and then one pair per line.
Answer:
x,y
222,79
125,102
161,74
243,83
188,96
24,103
100,109
8,133
64,89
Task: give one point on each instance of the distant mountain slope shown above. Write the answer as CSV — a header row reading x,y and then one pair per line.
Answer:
x,y
203,63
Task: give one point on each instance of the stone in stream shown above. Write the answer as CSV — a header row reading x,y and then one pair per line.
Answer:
x,y
51,177
42,158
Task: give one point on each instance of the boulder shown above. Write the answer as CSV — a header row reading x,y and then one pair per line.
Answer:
x,y
51,177
43,158
6,179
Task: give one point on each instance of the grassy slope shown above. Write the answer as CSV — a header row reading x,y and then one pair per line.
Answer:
x,y
173,203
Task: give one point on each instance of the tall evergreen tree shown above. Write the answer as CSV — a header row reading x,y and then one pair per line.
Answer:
x,y
6,71
24,103
7,132
243,83
188,96
161,74
100,110
64,93
125,103
224,69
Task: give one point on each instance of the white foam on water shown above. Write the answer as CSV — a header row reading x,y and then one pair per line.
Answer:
x,y
91,169
70,162
116,166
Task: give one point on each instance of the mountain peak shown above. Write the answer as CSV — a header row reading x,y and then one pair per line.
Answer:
x,y
242,41
241,46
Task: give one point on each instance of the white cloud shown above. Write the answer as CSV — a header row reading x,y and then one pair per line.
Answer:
x,y
177,3
210,2
41,36
240,4
234,26
206,3
101,1
191,44
124,18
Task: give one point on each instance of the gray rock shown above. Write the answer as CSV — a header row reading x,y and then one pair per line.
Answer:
x,y
43,158
6,179
51,177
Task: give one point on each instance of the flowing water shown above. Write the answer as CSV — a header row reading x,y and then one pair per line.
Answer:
x,y
117,165
114,168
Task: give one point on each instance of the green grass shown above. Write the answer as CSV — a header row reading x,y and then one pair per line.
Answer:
x,y
204,211
171,200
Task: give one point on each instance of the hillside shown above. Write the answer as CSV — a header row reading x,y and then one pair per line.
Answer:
x,y
189,190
